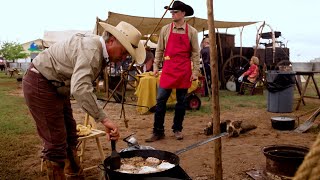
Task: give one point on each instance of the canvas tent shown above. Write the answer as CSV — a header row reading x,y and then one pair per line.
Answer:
x,y
50,37
146,25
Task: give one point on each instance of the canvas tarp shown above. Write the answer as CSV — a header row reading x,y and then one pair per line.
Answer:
x,y
146,25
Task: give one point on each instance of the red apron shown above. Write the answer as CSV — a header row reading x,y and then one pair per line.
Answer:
x,y
176,71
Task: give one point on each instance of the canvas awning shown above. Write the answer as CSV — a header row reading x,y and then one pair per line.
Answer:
x,y
146,25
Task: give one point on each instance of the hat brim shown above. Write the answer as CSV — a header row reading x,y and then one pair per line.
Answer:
x,y
188,9
138,54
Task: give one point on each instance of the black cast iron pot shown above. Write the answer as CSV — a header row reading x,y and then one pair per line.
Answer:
x,y
173,173
284,160
176,172
283,123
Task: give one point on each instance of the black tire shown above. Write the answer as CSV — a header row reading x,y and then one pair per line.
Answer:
x,y
193,102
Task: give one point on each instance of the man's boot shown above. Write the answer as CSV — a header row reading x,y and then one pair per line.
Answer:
x,y
55,170
73,169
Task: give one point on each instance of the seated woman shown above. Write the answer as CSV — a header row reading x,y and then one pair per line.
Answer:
x,y
251,75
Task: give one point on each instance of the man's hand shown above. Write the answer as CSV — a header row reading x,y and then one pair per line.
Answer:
x,y
155,72
193,77
111,129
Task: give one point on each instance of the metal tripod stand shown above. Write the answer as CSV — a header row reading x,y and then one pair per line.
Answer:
x,y
125,74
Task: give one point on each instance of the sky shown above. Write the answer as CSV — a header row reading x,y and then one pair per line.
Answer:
x,y
22,21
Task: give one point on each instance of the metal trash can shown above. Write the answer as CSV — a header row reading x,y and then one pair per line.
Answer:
x,y
280,86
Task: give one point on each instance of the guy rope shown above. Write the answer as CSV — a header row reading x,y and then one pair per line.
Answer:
x,y
310,167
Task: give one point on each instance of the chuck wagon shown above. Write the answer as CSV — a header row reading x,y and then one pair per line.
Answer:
x,y
233,61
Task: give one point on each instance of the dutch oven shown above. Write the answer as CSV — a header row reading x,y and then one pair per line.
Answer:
x,y
163,155
173,158
284,160
283,123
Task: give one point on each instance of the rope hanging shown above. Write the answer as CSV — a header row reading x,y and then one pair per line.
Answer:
x,y
310,167
158,23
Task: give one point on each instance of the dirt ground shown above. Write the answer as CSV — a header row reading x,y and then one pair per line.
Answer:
x,y
239,154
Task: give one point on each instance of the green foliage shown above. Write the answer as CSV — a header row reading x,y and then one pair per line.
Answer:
x,y
12,51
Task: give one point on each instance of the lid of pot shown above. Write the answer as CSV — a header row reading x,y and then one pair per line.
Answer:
x,y
282,118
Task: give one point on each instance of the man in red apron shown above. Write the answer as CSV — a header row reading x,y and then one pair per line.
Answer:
x,y
178,47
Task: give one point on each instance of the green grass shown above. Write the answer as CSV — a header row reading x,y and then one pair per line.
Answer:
x,y
311,90
17,131
228,101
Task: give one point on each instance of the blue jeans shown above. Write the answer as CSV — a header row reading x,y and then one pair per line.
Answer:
x,y
161,107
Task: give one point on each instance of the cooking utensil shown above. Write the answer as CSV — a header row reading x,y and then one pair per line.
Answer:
x,y
170,157
163,155
284,159
308,123
115,159
131,140
200,143
283,123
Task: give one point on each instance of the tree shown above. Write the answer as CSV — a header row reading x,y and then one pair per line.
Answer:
x,y
12,51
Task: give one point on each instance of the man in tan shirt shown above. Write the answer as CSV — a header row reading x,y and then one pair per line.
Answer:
x,y
178,49
70,67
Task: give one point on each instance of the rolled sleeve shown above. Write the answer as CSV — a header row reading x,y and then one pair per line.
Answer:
x,y
160,49
195,52
85,71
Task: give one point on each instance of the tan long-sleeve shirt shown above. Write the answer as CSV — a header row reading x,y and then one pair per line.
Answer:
x,y
77,60
163,39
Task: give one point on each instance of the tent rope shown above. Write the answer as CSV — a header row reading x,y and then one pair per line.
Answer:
x,y
158,23
310,167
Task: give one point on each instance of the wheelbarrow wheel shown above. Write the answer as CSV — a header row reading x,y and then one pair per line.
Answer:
x,y
193,102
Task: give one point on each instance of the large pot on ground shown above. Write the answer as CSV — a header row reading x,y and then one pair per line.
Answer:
x,y
283,123
284,160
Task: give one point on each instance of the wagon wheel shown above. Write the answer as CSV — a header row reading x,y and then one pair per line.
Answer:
x,y
234,66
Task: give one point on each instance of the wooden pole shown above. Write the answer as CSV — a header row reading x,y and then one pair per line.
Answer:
x,y
215,92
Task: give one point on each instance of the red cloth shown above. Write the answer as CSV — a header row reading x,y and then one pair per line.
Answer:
x,y
176,71
252,73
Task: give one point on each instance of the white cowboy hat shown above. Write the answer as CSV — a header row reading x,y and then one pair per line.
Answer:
x,y
129,37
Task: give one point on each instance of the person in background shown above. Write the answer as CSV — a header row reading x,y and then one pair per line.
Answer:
x,y
69,68
206,70
178,48
251,75
149,60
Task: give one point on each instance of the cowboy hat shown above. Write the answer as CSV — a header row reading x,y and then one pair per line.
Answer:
x,y
129,37
178,5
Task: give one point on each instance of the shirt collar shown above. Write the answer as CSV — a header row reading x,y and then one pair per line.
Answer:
x,y
104,49
182,27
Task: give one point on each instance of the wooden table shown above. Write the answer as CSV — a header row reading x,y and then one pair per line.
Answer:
x,y
302,90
